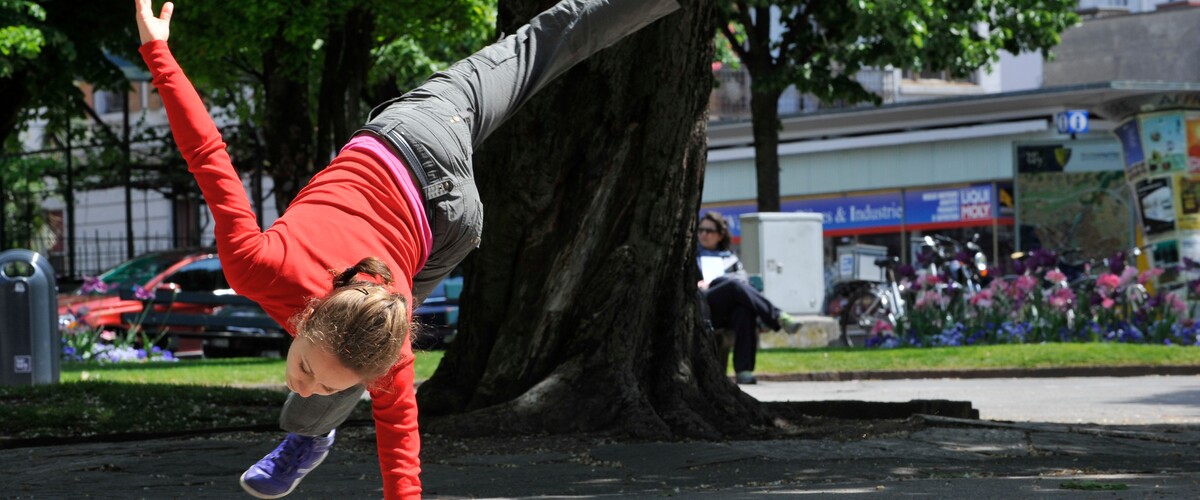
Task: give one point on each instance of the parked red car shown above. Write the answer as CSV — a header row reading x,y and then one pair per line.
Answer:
x,y
97,303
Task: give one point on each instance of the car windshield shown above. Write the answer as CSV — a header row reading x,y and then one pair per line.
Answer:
x,y
139,270
203,275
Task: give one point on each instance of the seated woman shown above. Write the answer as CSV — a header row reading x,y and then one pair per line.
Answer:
x,y
733,303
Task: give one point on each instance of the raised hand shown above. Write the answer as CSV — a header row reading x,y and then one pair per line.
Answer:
x,y
152,28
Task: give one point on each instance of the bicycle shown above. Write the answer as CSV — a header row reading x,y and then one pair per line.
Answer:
x,y
867,304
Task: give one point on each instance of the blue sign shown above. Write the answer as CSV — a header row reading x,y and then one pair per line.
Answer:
x,y
932,208
853,212
1072,121
840,213
939,206
1131,142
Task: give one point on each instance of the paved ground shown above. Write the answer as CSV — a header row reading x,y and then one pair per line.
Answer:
x,y
934,457
1099,400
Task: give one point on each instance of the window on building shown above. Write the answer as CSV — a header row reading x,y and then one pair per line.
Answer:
x,y
107,101
943,75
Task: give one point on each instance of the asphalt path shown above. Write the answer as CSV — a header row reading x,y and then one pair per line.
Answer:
x,y
1070,400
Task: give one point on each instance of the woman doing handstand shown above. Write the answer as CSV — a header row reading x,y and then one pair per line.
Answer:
x,y
391,215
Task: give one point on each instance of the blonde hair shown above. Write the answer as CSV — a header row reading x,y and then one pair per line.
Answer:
x,y
361,322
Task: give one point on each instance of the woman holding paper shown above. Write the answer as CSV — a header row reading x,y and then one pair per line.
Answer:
x,y
732,302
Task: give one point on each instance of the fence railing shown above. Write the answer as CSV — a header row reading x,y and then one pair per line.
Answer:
x,y
93,253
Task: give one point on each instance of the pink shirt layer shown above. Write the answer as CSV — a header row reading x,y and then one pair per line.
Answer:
x,y
373,146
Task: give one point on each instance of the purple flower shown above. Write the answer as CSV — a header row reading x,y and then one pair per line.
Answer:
x,y
1039,259
925,257
141,293
93,285
1116,263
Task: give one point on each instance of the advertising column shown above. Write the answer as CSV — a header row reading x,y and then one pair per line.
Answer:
x,y
1161,149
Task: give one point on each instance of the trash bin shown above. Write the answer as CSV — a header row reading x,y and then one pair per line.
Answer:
x,y
29,339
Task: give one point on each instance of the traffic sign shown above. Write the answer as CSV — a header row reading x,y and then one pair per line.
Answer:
x,y
1072,121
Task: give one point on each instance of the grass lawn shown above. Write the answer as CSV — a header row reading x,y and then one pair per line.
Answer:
x,y
233,372
974,357
223,393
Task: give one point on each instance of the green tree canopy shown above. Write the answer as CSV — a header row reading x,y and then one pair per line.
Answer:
x,y
47,46
299,76
819,46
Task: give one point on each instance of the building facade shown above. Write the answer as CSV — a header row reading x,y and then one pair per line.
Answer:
x,y
986,159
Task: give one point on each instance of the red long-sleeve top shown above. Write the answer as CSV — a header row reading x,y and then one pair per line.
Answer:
x,y
350,210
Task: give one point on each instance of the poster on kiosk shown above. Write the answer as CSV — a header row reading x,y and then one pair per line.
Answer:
x,y
1162,167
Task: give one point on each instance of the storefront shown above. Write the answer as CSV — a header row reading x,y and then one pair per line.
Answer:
x,y
990,165
890,218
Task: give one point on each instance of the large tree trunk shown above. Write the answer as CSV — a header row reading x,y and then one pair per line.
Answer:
x,y
580,309
764,117
287,126
16,94
344,74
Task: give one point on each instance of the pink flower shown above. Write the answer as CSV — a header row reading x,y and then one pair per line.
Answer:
x,y
108,335
927,299
1148,275
928,279
982,299
1108,281
1025,284
881,326
998,287
1107,303
1062,299
1055,276
1128,274
1178,306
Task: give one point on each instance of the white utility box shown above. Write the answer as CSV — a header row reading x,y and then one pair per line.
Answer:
x,y
787,251
857,262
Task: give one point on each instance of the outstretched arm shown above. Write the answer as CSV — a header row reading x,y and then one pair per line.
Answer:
x,y
240,242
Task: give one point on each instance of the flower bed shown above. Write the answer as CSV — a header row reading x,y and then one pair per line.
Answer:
x,y
1039,305
82,343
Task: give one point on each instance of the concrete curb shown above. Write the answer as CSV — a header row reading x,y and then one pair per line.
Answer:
x,y
1080,371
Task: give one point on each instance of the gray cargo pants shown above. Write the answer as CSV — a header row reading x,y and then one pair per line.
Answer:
x,y
436,127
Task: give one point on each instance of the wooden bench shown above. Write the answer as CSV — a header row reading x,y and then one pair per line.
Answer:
x,y
237,325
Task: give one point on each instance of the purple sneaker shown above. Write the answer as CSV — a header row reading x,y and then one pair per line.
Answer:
x,y
278,473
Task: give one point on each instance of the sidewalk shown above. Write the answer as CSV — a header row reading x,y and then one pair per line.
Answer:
x,y
931,456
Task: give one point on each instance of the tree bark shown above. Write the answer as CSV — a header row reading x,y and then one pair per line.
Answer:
x,y
580,310
287,126
16,97
764,110
347,60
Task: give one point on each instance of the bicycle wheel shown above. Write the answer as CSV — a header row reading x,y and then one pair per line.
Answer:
x,y
861,313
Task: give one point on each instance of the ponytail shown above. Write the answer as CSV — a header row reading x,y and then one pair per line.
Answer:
x,y
369,266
